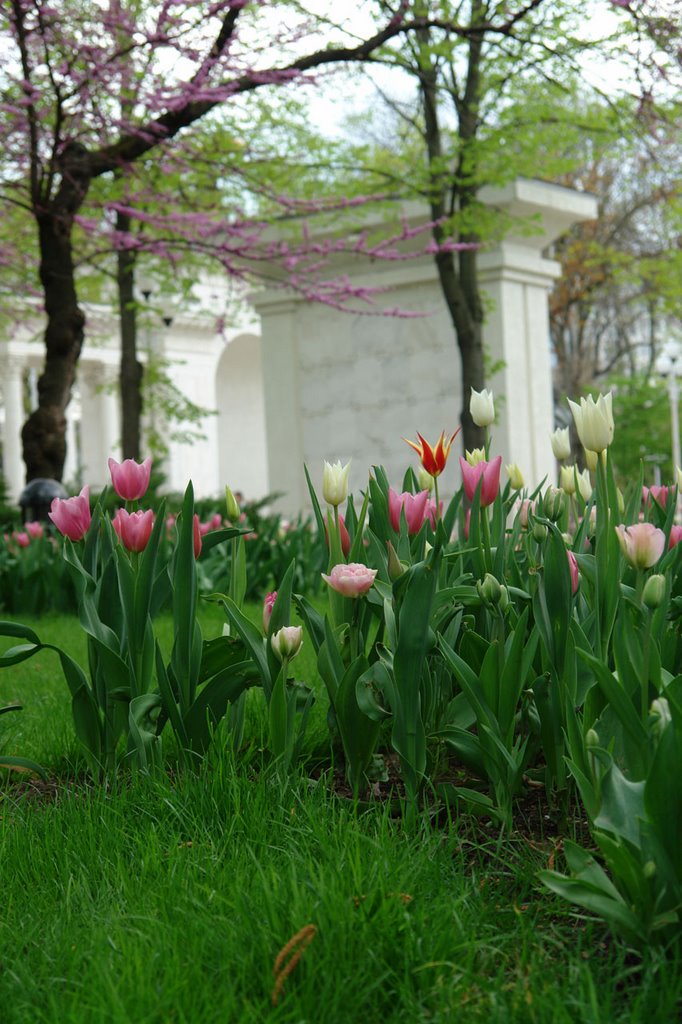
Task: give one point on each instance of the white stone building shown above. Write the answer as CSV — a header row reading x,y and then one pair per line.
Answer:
x,y
302,382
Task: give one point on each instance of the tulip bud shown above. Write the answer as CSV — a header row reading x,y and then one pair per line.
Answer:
x,y
653,594
515,476
659,716
567,479
621,501
425,479
482,407
553,503
591,739
395,566
540,532
335,482
489,589
561,443
286,642
649,869
584,484
268,605
231,506
475,456
591,459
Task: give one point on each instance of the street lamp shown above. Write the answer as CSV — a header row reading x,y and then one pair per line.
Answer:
x,y
669,365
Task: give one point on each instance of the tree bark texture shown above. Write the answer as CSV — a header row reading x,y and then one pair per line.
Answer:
x,y
130,373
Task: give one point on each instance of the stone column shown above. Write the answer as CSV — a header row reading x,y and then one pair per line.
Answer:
x,y
13,402
99,423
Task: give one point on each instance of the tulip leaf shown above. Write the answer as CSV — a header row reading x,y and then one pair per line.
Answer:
x,y
359,733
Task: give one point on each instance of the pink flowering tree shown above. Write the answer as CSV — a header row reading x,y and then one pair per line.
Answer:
x,y
92,93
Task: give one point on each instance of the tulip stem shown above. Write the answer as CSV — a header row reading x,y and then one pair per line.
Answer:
x,y
435,492
485,528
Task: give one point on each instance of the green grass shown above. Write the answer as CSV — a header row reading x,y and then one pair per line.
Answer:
x,y
167,900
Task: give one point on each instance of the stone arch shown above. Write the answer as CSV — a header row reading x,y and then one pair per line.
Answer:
x,y
242,456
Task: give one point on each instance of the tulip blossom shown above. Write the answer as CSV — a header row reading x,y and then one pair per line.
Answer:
x,y
561,443
416,508
522,509
268,605
573,568
72,516
489,472
515,476
475,456
130,478
335,482
134,528
433,459
591,460
567,479
642,544
482,407
343,533
287,641
584,484
196,534
352,580
594,422
34,529
675,536
21,539
658,494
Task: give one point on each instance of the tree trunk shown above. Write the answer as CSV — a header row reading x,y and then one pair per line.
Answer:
x,y
44,433
130,375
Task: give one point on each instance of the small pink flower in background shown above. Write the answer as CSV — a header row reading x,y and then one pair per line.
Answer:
x,y
573,567
197,536
22,539
416,509
345,536
268,605
524,506
214,523
658,494
431,512
72,516
352,580
134,528
34,529
642,544
170,523
675,536
489,471
130,478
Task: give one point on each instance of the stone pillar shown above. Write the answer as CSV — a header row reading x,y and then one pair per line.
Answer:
x,y
99,423
13,402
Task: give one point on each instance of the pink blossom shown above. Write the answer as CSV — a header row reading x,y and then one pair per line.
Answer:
x,y
170,523
344,534
352,580
130,478
34,529
642,544
197,535
573,567
523,508
416,509
22,539
675,536
134,528
658,494
268,605
72,516
489,471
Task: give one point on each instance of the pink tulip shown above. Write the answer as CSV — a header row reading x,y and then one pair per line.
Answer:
x,y
22,539
523,508
344,534
675,536
34,529
573,567
72,516
642,544
170,523
352,580
130,478
268,605
416,509
197,536
489,471
658,494
134,528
